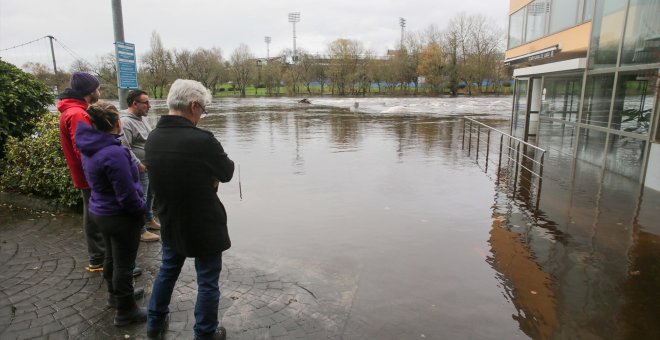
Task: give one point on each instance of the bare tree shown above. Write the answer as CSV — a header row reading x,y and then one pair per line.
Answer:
x,y
272,73
242,64
307,66
344,56
182,63
206,67
157,69
432,66
55,81
474,45
105,69
293,71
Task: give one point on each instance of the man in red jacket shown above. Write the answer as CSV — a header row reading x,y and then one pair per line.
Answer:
x,y
73,105
84,90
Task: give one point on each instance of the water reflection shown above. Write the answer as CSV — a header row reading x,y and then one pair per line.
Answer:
x,y
388,215
587,266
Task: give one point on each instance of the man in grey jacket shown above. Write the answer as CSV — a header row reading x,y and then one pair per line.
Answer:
x,y
135,130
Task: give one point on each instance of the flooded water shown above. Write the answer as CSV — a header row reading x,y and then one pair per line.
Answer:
x,y
380,214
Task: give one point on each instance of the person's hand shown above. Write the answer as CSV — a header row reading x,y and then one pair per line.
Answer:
x,y
142,168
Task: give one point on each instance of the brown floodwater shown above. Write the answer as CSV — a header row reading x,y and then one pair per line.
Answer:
x,y
389,222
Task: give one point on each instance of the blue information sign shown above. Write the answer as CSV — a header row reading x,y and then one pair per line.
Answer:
x,y
126,65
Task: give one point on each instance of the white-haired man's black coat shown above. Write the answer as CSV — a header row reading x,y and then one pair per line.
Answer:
x,y
185,164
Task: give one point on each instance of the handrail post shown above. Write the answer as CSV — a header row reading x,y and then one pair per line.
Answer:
x,y
470,139
476,159
520,149
499,161
515,176
538,189
463,143
487,149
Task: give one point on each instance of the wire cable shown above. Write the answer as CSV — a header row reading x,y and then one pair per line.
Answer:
x,y
23,44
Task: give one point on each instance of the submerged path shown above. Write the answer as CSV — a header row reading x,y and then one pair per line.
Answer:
x,y
46,293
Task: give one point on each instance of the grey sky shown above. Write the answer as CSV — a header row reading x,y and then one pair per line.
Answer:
x,y
85,27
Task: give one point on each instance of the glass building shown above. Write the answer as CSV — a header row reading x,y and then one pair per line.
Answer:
x,y
587,78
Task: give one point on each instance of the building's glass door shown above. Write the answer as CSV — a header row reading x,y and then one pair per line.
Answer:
x,y
519,122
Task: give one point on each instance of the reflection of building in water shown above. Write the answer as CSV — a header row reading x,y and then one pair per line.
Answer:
x,y
524,282
587,83
589,267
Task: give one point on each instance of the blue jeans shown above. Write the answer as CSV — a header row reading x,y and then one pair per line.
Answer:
x,y
148,196
208,291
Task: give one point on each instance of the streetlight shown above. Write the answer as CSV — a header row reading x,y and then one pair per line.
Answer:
x,y
402,23
294,17
267,40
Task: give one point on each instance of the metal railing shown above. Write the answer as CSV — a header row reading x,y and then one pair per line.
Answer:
x,y
519,164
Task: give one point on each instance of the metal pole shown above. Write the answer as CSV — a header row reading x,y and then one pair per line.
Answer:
x,y
294,17
402,23
499,161
538,192
294,39
463,139
470,139
476,159
52,52
487,149
515,178
267,40
118,24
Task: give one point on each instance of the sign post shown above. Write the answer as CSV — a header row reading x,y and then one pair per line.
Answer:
x,y
126,66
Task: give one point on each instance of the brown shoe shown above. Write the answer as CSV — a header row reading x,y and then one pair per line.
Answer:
x,y
149,237
153,225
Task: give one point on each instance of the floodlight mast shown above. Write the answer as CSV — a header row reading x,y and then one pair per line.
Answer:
x,y
402,23
294,17
267,40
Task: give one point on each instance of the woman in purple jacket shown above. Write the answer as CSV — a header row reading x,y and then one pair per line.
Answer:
x,y
116,205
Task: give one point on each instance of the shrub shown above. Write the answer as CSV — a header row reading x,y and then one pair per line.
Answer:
x,y
35,164
23,99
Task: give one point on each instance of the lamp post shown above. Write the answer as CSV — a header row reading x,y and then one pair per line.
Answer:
x,y
294,17
118,24
267,40
402,23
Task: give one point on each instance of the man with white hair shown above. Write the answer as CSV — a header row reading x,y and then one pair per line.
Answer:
x,y
186,164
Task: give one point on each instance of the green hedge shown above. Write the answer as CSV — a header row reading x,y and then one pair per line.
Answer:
x,y
35,164
23,98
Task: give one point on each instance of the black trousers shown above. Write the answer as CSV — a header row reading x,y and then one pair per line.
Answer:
x,y
95,247
121,235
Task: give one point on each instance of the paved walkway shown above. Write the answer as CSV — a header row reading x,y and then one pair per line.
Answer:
x,y
46,293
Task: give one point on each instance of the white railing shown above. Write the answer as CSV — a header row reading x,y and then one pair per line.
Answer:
x,y
519,164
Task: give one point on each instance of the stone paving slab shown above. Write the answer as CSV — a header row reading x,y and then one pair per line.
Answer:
x,y
45,292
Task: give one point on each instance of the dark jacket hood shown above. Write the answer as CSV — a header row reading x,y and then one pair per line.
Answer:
x,y
90,140
70,93
70,99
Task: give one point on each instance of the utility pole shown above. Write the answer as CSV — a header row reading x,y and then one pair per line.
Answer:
x,y
294,17
402,23
267,40
118,23
52,52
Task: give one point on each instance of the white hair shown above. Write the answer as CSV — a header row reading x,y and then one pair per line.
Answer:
x,y
185,91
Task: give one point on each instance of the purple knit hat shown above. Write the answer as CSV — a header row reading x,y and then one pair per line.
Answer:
x,y
84,83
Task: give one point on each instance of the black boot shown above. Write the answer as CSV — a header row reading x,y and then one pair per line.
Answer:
x,y
138,293
128,312
159,333
220,334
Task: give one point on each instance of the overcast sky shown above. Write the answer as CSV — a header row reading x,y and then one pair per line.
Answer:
x,y
85,27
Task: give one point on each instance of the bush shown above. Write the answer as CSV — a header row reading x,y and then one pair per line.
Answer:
x,y
35,164
23,99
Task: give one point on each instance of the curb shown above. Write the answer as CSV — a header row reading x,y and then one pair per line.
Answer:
x,y
35,203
